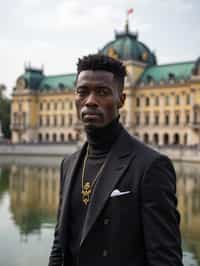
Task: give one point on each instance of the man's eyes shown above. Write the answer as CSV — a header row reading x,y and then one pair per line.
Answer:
x,y
81,91
100,91
103,91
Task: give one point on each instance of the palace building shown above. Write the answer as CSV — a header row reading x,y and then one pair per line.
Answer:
x,y
162,105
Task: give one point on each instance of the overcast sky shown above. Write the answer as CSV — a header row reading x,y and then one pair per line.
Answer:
x,y
54,33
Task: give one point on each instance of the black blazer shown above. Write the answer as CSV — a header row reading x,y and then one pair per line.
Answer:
x,y
135,229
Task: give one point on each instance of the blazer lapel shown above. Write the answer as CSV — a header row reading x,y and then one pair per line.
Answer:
x,y
69,174
116,164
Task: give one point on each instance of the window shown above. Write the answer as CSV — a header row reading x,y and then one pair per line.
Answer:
x,y
47,137
137,102
47,121
137,119
62,120
48,106
166,100
156,121
41,106
62,137
39,137
69,119
166,119
147,119
157,101
156,139
40,120
54,137
166,139
55,120
70,105
177,119
20,106
188,99
185,139
177,99
15,118
187,118
146,138
55,106
147,101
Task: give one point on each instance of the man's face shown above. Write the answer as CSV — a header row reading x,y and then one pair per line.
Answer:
x,y
97,97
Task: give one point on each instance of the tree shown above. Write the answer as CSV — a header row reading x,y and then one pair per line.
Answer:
x,y
5,113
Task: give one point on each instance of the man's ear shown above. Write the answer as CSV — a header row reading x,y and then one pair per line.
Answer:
x,y
122,98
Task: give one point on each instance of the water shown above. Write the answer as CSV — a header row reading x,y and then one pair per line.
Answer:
x,y
28,201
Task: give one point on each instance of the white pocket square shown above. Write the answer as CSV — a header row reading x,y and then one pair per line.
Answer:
x,y
116,193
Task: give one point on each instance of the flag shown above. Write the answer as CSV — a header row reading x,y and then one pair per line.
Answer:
x,y
129,11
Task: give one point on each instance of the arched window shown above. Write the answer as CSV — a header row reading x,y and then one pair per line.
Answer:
x,y
47,137
138,102
39,137
166,139
166,119
146,138
70,137
62,137
147,101
54,138
176,139
155,139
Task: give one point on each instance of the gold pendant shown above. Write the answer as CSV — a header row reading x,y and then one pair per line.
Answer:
x,y
86,191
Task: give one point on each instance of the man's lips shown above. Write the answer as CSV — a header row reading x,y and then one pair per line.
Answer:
x,y
91,115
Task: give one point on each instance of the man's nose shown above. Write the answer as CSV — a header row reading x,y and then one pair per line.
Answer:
x,y
91,100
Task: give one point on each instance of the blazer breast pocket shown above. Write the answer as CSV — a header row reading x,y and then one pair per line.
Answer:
x,y
123,203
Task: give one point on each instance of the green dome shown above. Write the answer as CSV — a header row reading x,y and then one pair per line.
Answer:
x,y
127,47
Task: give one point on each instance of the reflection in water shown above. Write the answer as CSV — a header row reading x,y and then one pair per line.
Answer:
x,y
4,181
34,196
31,191
188,192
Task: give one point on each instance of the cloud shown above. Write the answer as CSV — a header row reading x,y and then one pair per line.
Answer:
x,y
56,32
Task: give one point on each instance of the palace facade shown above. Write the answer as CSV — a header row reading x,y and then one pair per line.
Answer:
x,y
162,105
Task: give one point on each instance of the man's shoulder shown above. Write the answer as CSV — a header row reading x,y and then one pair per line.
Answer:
x,y
142,151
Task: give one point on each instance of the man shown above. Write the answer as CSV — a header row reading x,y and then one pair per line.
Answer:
x,y
117,200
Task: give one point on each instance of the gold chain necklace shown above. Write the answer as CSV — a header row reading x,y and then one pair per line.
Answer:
x,y
87,187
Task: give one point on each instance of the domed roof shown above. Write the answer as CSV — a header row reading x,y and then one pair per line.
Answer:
x,y
127,47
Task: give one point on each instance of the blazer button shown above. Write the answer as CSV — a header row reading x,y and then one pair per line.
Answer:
x,y
105,253
106,221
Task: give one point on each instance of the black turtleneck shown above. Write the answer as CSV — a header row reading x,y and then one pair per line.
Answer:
x,y
100,141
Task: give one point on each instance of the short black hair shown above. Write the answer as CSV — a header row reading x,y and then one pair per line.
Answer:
x,y
103,62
